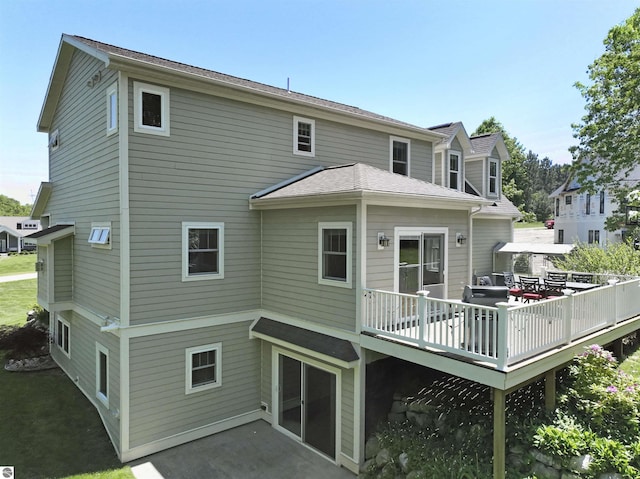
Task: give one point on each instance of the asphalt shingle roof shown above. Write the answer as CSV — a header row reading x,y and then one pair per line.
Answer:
x,y
483,144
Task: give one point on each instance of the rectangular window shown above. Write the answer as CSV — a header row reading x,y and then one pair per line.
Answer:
x,y
454,171
151,109
202,251
493,177
587,207
567,200
102,374
334,255
596,236
561,236
203,368
400,155
100,235
112,109
590,237
602,202
304,136
557,207
63,335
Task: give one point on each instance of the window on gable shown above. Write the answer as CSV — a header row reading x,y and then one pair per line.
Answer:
x,y
454,171
203,368
100,235
567,200
587,209
304,136
557,206
493,177
203,251
112,109
102,374
400,155
602,202
63,335
334,255
151,109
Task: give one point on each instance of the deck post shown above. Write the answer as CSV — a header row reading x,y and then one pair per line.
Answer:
x,y
502,326
422,315
614,283
499,434
568,314
550,390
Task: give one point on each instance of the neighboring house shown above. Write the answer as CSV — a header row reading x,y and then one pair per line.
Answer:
x,y
212,246
13,229
580,216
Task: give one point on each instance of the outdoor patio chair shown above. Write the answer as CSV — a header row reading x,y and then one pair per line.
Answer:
x,y
531,289
557,276
582,277
514,287
553,289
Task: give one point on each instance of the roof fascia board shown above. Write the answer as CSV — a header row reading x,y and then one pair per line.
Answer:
x,y
44,192
100,55
48,239
210,86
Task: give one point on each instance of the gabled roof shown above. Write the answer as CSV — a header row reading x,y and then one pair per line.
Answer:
x,y
501,207
117,57
356,181
453,130
483,145
631,178
39,206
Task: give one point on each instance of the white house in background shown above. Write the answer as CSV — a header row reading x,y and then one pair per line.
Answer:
x,y
13,229
580,216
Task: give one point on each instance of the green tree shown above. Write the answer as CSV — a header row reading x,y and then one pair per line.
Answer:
x,y
11,207
609,133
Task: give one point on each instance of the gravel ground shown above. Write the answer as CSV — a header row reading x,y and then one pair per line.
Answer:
x,y
535,235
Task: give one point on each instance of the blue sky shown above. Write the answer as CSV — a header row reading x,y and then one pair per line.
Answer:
x,y
424,62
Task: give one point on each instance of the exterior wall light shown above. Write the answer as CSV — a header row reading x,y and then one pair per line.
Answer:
x,y
460,239
383,241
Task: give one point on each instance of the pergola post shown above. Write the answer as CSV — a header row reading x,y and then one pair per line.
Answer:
x,y
499,434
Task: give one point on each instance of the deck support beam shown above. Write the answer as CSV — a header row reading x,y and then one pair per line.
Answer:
x,y
499,434
550,390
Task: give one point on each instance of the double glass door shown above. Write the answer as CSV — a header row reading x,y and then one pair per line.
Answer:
x,y
307,403
421,263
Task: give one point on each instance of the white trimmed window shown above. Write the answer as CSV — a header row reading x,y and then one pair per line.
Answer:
x,y
100,235
454,170
334,254
63,335
151,109
203,368
102,374
112,109
400,155
493,177
304,136
202,251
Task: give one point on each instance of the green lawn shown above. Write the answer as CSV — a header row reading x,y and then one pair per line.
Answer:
x,y
16,298
521,225
17,263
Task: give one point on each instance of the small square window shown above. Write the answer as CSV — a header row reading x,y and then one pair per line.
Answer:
x,y
100,235
202,251
151,109
567,200
112,109
334,255
400,155
63,335
304,138
203,368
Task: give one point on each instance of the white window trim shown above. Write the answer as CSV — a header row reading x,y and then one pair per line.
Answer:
x,y
458,171
186,226
402,140
335,225
497,192
103,398
99,229
138,90
59,319
296,151
112,113
189,352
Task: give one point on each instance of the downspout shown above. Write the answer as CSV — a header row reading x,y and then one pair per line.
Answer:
x,y
470,242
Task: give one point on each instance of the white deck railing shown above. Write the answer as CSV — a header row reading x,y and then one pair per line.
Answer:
x,y
503,335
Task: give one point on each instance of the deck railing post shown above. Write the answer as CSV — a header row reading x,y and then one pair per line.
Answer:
x,y
614,283
422,315
502,325
568,314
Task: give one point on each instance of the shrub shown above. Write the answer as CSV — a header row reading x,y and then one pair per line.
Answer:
x,y
616,258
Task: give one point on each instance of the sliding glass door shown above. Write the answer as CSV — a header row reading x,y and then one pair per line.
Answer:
x,y
421,262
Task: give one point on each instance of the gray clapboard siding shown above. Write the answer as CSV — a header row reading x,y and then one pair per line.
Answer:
x,y
474,174
84,172
347,412
219,153
486,234
380,266
63,266
290,267
81,366
160,408
438,169
43,276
